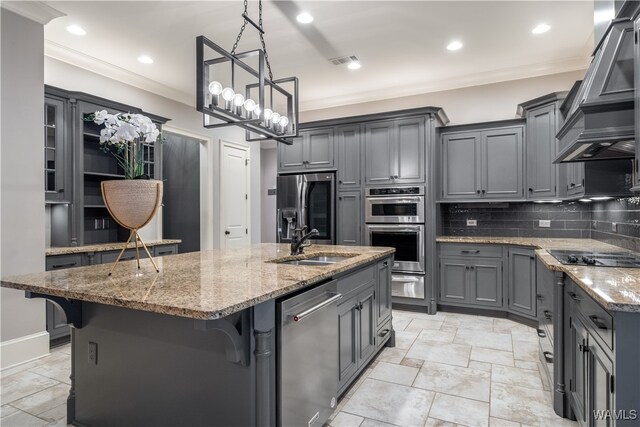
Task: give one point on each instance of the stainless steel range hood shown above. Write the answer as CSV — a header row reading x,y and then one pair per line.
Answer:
x,y
600,121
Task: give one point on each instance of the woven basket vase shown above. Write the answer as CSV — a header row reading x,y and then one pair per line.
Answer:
x,y
132,202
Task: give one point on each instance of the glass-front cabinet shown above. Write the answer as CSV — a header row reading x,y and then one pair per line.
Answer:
x,y
56,176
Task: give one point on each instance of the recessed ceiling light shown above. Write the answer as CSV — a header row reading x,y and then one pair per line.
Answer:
x,y
541,28
354,65
145,59
454,45
76,30
304,18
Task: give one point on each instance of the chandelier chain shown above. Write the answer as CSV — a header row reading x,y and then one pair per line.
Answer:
x,y
244,25
264,46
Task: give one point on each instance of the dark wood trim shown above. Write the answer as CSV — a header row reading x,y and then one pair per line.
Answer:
x,y
82,96
436,112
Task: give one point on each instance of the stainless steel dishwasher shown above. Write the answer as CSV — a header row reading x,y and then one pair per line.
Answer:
x,y
308,362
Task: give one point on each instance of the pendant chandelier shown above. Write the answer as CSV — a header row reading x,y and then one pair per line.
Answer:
x,y
233,90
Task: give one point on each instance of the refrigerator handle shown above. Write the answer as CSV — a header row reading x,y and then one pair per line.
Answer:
x,y
278,227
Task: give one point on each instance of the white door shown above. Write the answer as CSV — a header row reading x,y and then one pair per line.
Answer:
x,y
234,203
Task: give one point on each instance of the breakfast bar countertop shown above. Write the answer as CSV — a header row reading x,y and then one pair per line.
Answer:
x,y
199,285
103,247
616,289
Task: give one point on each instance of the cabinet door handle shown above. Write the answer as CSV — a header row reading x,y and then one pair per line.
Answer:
x,y
574,296
339,181
340,198
472,267
478,191
541,333
469,251
227,232
395,177
384,333
483,191
61,190
540,296
70,264
531,190
165,252
583,347
548,356
390,176
386,263
547,314
598,322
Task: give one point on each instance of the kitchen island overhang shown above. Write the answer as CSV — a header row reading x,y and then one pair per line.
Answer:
x,y
193,345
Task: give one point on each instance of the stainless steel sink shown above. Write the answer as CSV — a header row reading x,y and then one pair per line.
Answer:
x,y
316,260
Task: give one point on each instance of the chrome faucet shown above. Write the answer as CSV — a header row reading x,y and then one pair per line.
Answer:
x,y
299,238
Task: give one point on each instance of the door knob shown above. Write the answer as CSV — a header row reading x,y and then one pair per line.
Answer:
x,y
478,191
227,232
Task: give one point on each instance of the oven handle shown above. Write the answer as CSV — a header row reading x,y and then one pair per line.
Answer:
x,y
394,200
395,228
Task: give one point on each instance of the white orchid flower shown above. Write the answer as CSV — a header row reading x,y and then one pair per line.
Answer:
x,y
100,116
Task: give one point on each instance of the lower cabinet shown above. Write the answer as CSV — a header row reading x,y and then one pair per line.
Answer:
x,y
483,276
471,281
522,281
383,293
349,223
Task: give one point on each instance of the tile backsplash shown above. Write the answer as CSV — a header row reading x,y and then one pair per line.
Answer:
x,y
566,220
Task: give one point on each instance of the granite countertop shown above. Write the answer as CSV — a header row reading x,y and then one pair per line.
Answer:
x,y
102,247
616,289
199,285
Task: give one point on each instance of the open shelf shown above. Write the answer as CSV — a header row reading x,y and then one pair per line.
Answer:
x,y
90,175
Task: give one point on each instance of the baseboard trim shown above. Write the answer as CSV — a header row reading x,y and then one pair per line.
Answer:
x,y
24,349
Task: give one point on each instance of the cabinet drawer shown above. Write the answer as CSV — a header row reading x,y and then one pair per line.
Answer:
x,y
128,255
165,250
60,262
487,251
353,281
596,319
383,334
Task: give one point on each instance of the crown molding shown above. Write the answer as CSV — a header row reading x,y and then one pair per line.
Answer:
x,y
477,79
98,66
37,11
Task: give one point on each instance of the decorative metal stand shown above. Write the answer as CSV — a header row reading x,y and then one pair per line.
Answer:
x,y
134,232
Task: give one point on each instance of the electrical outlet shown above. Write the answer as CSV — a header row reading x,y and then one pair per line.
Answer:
x,y
614,227
472,223
93,353
544,223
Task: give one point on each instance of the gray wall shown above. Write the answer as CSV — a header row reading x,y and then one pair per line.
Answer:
x,y
268,172
568,220
22,184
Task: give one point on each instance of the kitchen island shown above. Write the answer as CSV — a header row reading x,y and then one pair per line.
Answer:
x,y
197,344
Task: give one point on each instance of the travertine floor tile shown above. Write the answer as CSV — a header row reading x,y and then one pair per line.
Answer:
x,y
465,322
23,384
507,326
432,422
452,354
58,371
404,339
492,356
497,422
390,403
420,324
55,414
438,335
529,351
482,366
393,373
524,405
22,419
44,400
516,376
526,364
368,422
346,420
392,355
460,410
455,380
483,339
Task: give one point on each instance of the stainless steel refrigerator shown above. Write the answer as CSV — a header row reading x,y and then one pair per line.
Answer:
x,y
306,200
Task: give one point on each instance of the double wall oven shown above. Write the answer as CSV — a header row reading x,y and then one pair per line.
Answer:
x,y
394,217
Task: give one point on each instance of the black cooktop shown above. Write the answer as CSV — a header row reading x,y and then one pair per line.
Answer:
x,y
597,259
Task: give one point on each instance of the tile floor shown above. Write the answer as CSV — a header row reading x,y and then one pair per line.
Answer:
x,y
446,370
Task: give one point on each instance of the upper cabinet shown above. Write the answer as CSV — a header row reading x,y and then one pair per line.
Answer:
x,y
636,59
312,150
483,164
349,154
395,152
57,152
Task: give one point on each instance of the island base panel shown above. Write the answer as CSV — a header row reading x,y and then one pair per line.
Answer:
x,y
150,369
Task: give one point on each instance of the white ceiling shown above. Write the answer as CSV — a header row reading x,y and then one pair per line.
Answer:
x,y
401,45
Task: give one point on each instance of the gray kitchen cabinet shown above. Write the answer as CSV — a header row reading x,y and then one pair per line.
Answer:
x,y
471,281
347,340
378,143
57,152
409,156
575,178
313,150
395,152
482,164
485,282
453,280
383,293
522,281
349,222
502,163
291,157
600,382
578,378
348,147
541,152
636,77
60,262
163,250
461,165
55,318
366,325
